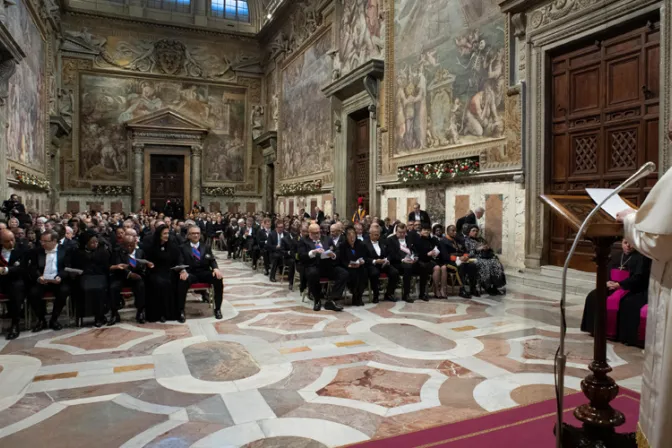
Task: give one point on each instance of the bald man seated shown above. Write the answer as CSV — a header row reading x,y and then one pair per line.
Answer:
x,y
310,251
12,272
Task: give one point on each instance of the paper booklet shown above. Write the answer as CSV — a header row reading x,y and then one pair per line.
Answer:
x,y
326,253
74,271
614,205
180,267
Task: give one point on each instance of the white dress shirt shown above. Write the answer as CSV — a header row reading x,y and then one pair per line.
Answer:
x,y
195,245
51,265
6,254
417,216
376,247
279,239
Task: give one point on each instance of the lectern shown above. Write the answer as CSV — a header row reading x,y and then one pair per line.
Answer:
x,y
598,417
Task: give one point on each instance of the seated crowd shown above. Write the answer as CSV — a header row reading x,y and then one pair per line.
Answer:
x,y
96,259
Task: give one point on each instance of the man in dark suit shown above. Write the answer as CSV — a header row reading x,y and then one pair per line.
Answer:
x,y
318,216
303,214
310,251
262,236
248,240
418,215
127,272
303,233
12,271
46,273
13,207
378,263
202,269
469,219
404,260
279,248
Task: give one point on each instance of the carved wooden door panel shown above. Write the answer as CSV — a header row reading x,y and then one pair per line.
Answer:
x,y
604,123
166,180
361,154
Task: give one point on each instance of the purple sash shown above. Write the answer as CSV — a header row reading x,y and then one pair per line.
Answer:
x,y
195,253
614,301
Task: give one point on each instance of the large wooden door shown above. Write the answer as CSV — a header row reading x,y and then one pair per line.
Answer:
x,y
360,154
604,122
166,180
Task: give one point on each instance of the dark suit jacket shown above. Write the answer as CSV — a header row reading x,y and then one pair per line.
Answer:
x,y
424,217
450,250
16,264
304,247
467,219
206,264
346,254
319,218
251,241
121,256
262,236
37,259
371,252
286,245
70,245
395,253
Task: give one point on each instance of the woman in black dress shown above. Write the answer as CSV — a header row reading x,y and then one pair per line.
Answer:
x,y
91,291
161,298
352,254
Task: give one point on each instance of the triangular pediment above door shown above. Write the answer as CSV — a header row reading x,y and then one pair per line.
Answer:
x,y
167,119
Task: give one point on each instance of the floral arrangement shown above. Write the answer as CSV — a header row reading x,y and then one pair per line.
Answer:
x,y
308,187
111,190
218,191
32,180
446,169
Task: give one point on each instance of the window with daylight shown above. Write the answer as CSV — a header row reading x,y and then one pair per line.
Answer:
x,y
171,5
230,9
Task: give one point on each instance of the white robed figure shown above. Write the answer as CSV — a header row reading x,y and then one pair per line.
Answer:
x,y
649,229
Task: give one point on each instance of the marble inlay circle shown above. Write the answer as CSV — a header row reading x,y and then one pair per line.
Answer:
x,y
284,442
220,361
534,393
413,338
385,388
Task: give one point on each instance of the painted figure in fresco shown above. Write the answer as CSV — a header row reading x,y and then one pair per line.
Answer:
x,y
143,104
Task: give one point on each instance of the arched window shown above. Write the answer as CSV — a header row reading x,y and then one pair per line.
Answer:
x,y
230,9
171,5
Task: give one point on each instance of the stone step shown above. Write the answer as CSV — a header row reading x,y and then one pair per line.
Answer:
x,y
556,271
533,278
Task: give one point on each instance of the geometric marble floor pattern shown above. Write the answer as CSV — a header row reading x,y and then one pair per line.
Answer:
x,y
273,373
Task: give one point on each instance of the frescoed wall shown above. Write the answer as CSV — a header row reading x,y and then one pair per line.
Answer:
x,y
27,102
362,35
450,73
107,102
305,126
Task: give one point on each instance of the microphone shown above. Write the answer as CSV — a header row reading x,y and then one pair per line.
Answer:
x,y
561,357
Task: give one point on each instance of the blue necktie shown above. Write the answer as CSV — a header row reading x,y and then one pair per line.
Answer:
x,y
196,253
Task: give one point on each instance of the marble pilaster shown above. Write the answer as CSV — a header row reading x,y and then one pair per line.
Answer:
x,y
138,172
196,169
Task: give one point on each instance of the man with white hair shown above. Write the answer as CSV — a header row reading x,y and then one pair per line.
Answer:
x,y
469,219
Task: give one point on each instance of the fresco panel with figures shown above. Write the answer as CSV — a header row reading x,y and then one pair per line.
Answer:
x,y
27,94
362,33
305,130
450,73
107,102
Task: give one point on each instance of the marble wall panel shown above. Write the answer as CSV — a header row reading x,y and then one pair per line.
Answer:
x,y
324,201
401,196
391,209
461,205
80,202
72,206
494,204
410,202
436,204
116,206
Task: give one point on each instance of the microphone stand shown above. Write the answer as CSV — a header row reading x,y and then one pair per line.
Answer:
x,y
561,357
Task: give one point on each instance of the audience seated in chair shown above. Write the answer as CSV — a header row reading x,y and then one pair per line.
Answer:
x,y
490,269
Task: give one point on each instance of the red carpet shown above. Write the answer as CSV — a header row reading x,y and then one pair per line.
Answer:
x,y
525,426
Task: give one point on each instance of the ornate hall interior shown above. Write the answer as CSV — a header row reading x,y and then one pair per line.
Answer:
x,y
320,111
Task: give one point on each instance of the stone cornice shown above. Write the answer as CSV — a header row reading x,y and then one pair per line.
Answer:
x,y
267,139
515,6
353,83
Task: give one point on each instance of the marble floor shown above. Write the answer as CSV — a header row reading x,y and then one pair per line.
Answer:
x,y
273,373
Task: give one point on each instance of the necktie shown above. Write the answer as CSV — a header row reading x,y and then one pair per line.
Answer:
x,y
131,261
279,239
196,253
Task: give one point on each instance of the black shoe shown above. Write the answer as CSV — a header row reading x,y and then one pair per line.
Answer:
x,y
205,297
218,314
13,332
40,325
357,302
391,299
375,299
162,319
464,294
273,280
99,322
317,306
182,319
408,300
265,271
493,291
54,325
475,292
114,318
140,317
424,298
291,287
331,306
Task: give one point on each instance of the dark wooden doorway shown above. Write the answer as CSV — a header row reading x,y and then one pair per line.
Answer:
x,y
166,180
603,122
358,163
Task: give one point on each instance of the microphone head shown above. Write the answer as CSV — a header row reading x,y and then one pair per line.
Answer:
x,y
648,167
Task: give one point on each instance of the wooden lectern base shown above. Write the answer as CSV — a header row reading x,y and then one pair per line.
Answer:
x,y
590,437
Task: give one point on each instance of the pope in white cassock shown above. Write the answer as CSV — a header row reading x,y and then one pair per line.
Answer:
x,y
649,229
